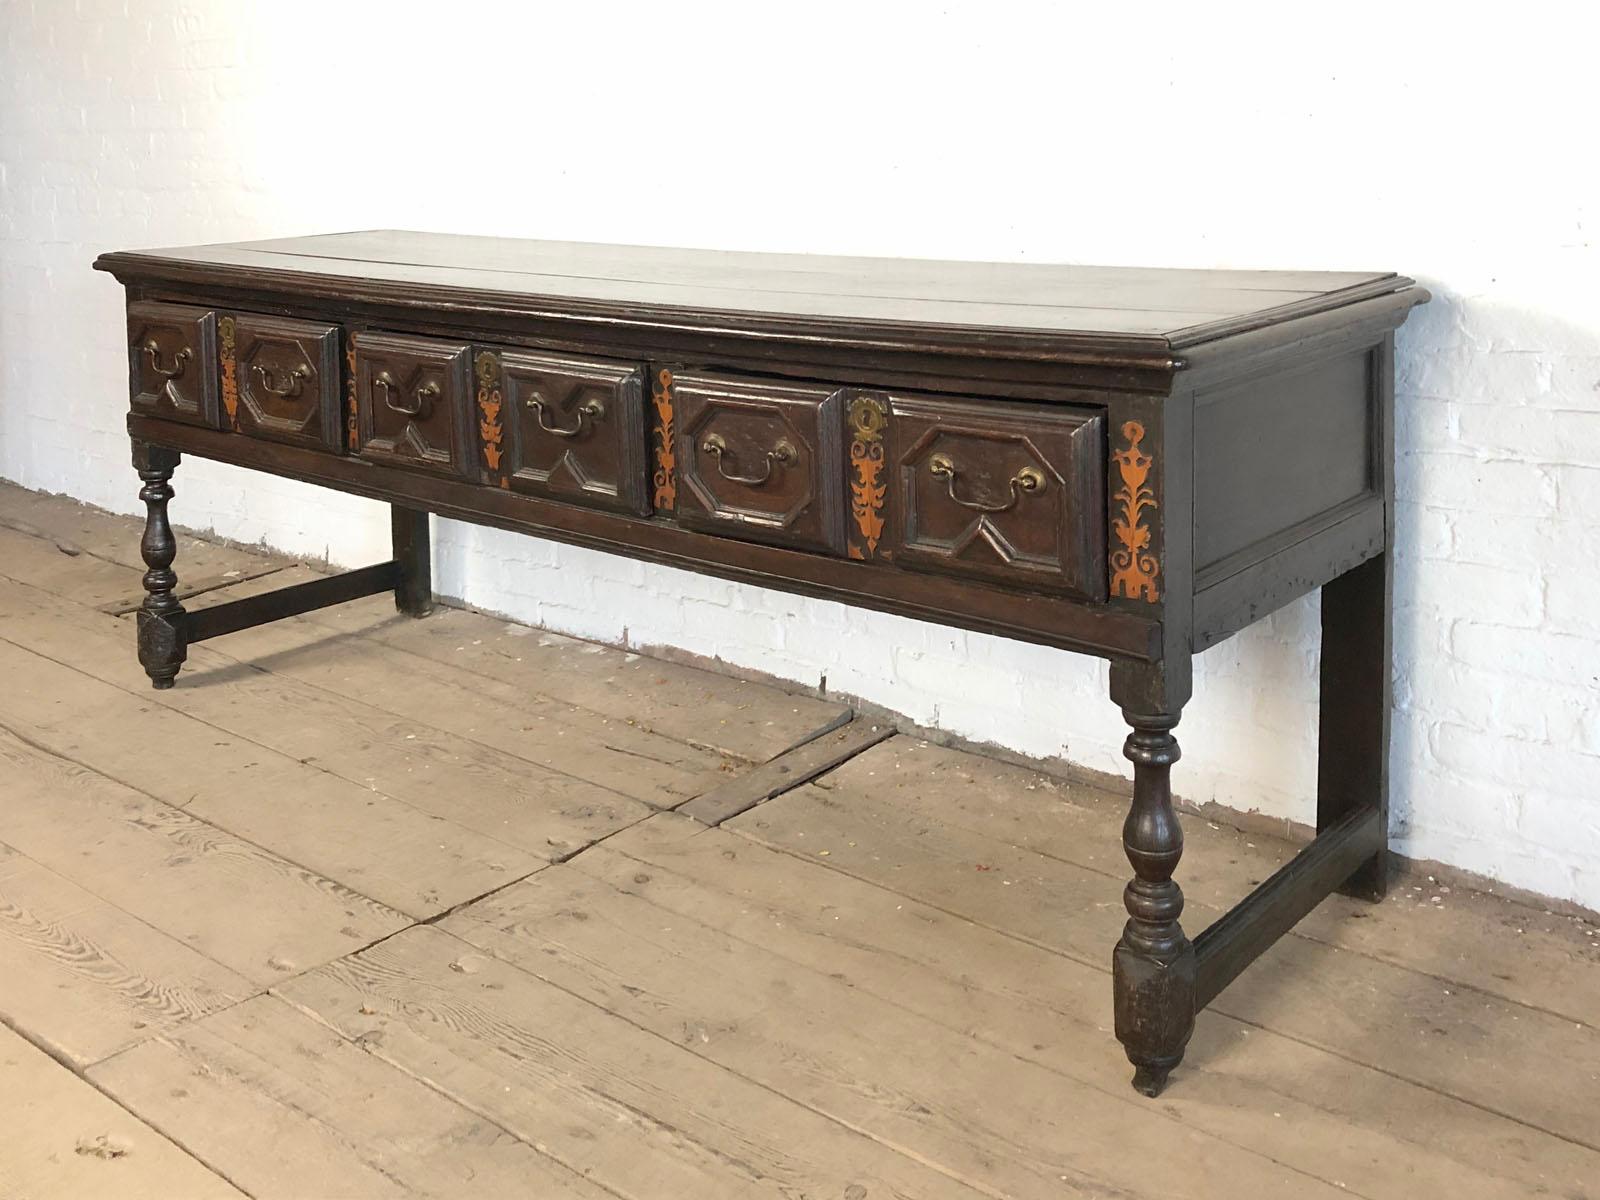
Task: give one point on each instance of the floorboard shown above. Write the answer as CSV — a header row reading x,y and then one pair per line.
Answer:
x,y
244,907
1275,1094
416,862
285,1107
65,1141
1441,1036
616,1103
84,978
374,906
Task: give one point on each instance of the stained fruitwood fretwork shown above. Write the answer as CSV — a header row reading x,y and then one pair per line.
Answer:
x,y
867,415
666,472
1134,563
230,372
491,431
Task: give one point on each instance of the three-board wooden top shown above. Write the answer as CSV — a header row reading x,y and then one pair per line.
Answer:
x,y
1144,306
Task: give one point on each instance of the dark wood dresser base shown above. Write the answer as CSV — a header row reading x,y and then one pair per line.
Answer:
x,y
1129,463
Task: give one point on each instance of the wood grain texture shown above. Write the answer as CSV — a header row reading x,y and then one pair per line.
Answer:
x,y
827,995
1310,1109
898,826
635,1112
476,786
85,978
786,771
253,912
728,717
412,861
538,730
1117,300
287,1108
910,1084
65,1141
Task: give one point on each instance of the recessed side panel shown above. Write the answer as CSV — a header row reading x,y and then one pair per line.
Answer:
x,y
1280,457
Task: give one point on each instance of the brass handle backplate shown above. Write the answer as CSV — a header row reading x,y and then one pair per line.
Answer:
x,y
292,381
782,455
588,412
421,401
1026,481
179,360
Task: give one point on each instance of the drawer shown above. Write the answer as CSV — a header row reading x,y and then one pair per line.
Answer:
x,y
280,380
576,429
172,362
999,491
761,461
411,402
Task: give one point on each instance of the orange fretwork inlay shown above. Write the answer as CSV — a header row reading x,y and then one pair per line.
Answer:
x,y
666,475
490,431
868,416
230,372
1134,565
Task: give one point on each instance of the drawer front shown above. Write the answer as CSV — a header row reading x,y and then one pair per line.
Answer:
x,y
411,402
284,381
1000,492
576,430
761,461
172,362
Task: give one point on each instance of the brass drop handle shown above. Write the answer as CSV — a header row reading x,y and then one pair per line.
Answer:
x,y
179,360
1028,479
782,455
291,385
421,398
589,411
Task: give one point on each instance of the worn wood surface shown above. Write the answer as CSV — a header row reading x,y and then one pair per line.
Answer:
x,y
801,765
287,1107
65,1141
890,981
1103,299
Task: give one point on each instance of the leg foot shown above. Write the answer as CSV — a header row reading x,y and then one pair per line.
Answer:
x,y
1151,1081
1153,966
414,596
162,646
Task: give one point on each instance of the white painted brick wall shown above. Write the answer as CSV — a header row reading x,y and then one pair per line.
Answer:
x,y
1395,137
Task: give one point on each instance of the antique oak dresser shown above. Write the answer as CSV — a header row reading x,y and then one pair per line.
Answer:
x,y
1129,463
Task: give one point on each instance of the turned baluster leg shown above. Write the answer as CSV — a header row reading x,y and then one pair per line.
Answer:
x,y
1153,966
162,647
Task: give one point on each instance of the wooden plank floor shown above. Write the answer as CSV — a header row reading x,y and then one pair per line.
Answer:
x,y
369,906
